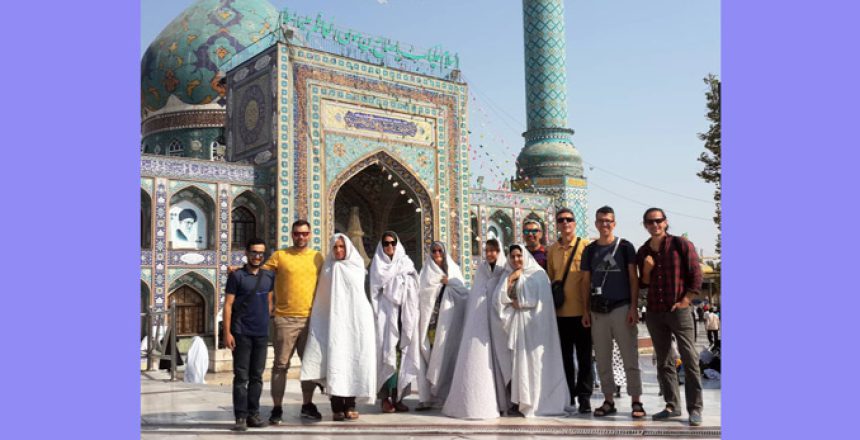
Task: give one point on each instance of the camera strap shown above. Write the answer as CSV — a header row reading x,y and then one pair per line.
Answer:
x,y
609,258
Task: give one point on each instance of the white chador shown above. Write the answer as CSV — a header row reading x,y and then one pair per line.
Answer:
x,y
538,384
394,295
484,360
341,347
438,362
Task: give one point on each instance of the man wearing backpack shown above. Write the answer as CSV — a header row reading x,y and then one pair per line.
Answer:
x,y
673,281
611,310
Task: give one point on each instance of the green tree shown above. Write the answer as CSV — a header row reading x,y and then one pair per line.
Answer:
x,y
712,158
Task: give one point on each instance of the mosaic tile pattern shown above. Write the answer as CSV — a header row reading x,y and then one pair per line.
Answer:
x,y
145,257
545,60
285,190
223,241
174,274
341,151
323,69
160,242
147,185
185,58
146,276
178,185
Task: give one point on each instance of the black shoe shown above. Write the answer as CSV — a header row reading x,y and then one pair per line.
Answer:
x,y
241,425
309,411
277,413
255,422
584,405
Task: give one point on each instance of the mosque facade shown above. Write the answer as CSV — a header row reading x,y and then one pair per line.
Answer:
x,y
252,118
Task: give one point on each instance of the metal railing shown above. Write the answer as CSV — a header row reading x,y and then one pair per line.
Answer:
x,y
155,323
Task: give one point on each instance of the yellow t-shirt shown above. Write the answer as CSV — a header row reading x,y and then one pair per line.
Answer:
x,y
574,286
296,274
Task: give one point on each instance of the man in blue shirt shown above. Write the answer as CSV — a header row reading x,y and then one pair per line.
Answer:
x,y
246,332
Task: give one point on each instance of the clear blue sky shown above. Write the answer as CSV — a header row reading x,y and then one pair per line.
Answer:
x,y
635,93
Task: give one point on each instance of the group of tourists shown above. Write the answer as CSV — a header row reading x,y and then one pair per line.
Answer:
x,y
519,342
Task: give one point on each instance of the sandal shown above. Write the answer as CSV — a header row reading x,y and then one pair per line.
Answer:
x,y
606,409
638,410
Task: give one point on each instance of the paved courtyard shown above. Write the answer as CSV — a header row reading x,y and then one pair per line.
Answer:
x,y
180,410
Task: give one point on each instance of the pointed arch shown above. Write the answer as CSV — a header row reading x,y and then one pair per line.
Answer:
x,y
195,199
392,165
195,300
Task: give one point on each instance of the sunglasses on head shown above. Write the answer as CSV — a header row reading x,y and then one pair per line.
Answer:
x,y
389,243
654,221
301,234
565,220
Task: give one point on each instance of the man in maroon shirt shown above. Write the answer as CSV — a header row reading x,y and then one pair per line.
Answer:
x,y
533,232
669,268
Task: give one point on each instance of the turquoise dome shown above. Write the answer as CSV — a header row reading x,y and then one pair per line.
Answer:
x,y
185,58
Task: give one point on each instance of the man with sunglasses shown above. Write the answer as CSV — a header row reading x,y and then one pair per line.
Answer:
x,y
669,268
569,316
297,269
533,232
246,332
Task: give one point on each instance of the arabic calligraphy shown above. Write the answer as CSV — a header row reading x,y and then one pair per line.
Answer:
x,y
367,121
378,49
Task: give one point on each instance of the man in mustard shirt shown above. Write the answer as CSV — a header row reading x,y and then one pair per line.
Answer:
x,y
296,271
569,316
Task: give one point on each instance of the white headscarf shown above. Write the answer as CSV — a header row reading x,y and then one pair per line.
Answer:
x,y
341,347
393,293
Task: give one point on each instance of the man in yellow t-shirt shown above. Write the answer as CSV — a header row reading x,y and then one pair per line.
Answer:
x,y
569,316
296,272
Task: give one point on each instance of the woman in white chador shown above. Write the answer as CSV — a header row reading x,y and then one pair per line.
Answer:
x,y
524,302
341,349
483,367
394,295
442,296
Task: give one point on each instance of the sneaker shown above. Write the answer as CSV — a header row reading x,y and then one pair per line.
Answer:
x,y
255,422
695,419
309,411
666,414
241,425
584,405
277,413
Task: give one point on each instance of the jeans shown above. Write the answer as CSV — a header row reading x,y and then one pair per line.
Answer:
x,y
249,360
573,335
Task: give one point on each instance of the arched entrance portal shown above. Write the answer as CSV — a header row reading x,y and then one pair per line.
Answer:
x,y
380,194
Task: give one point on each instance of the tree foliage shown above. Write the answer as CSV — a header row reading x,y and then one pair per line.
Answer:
x,y
712,157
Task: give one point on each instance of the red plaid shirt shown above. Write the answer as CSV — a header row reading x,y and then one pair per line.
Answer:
x,y
667,286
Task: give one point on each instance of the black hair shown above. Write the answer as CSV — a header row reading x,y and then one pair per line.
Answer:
x,y
187,213
604,210
514,246
650,210
390,234
253,242
493,243
565,211
300,222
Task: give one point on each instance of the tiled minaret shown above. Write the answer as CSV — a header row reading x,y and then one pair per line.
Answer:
x,y
549,162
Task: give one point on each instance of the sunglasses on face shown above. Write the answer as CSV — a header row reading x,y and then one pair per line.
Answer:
x,y
605,222
301,234
255,254
389,243
565,220
654,221
437,251
531,231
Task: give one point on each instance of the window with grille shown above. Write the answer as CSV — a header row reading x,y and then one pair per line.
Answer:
x,y
244,227
175,147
